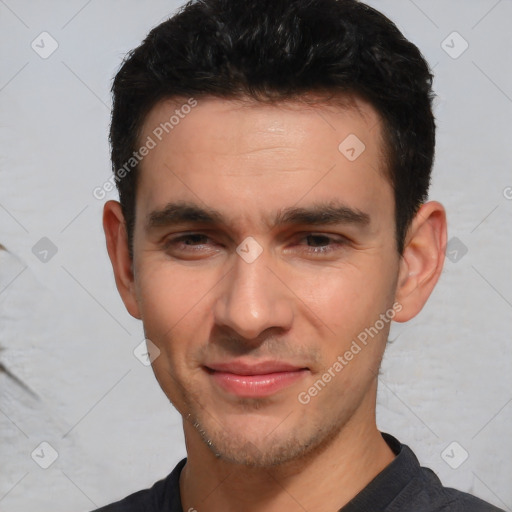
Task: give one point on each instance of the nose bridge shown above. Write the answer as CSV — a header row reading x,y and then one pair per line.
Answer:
x,y
252,299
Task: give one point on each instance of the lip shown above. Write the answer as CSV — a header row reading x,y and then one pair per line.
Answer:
x,y
255,380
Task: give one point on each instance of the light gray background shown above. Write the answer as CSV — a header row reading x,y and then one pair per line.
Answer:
x,y
64,331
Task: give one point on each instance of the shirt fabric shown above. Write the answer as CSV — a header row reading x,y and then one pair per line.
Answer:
x,y
403,486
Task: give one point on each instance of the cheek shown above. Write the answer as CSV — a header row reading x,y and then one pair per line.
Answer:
x,y
348,305
167,292
349,301
175,313
174,305
346,295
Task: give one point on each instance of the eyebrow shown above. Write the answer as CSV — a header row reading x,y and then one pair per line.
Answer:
x,y
182,213
319,214
314,215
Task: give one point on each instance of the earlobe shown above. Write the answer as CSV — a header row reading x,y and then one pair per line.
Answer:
x,y
422,259
116,237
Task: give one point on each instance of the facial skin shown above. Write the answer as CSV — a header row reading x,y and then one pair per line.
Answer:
x,y
265,172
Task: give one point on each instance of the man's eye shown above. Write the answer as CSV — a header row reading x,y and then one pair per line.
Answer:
x,y
319,244
190,245
194,239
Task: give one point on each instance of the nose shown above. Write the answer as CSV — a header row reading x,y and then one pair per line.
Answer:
x,y
253,298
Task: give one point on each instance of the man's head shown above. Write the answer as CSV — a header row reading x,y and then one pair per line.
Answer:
x,y
274,225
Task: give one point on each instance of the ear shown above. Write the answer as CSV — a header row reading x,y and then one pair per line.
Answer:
x,y
422,260
117,246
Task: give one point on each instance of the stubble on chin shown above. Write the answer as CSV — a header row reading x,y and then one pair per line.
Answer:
x,y
289,442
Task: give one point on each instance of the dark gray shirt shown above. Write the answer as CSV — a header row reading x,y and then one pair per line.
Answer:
x,y
403,486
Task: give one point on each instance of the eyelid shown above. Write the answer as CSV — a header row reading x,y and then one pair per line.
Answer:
x,y
183,233
333,237
180,237
335,243
175,247
215,237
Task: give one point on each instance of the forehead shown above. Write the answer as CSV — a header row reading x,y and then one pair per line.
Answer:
x,y
244,155
259,122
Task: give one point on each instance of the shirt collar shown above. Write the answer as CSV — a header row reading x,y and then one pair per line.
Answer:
x,y
384,488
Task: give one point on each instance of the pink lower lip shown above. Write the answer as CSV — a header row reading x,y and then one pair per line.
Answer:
x,y
254,386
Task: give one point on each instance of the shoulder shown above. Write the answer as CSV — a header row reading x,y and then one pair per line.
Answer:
x,y
405,485
427,493
164,495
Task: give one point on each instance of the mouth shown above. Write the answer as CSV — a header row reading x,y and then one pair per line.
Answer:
x,y
255,380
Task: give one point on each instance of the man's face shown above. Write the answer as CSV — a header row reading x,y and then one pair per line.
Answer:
x,y
244,334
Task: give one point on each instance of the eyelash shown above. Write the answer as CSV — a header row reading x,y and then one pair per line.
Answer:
x,y
331,243
181,239
179,243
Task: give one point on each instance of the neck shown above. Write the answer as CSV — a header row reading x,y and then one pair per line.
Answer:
x,y
322,481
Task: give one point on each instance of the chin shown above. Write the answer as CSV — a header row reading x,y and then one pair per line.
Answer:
x,y
249,445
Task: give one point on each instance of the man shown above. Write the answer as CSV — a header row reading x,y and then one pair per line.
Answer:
x,y
273,161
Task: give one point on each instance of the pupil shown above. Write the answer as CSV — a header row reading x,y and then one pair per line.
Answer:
x,y
194,239
317,241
